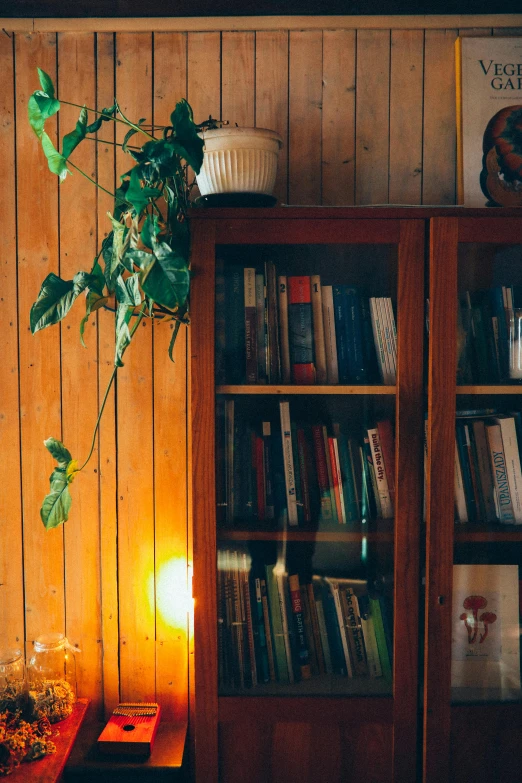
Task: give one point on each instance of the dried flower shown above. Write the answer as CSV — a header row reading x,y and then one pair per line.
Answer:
x,y
21,741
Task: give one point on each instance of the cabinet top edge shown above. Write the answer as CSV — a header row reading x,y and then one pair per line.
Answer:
x,y
343,213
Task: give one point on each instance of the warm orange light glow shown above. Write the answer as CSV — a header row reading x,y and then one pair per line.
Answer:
x,y
173,600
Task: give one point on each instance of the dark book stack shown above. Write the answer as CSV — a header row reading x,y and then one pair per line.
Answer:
x,y
273,328
275,626
275,473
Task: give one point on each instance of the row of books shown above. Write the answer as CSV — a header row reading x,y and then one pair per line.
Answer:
x,y
485,324
279,473
276,627
488,476
274,328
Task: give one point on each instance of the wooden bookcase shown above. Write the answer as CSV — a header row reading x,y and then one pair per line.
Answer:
x,y
356,735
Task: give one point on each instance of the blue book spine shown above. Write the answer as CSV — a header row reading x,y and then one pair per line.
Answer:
x,y
463,452
339,305
333,631
499,312
357,370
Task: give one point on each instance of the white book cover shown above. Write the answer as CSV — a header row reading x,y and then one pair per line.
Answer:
x,y
489,113
330,344
499,470
284,339
380,474
386,340
321,374
288,461
485,639
512,457
460,497
391,333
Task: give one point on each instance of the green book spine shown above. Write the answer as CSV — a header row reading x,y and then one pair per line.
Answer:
x,y
380,636
276,623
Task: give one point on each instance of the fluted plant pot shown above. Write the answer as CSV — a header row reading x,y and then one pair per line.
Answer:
x,y
239,160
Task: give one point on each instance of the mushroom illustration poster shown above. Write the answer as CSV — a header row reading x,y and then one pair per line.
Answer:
x,y
489,121
485,647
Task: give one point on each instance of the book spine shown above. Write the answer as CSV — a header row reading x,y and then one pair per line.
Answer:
x,y
281,580
325,644
387,339
322,473
318,329
267,460
261,328
303,457
387,441
268,632
260,477
309,634
339,302
288,460
297,473
229,457
300,330
220,321
379,340
249,619
315,628
351,506
331,488
235,324
380,474
357,371
336,480
238,623
500,477
370,642
299,627
371,479
380,637
330,342
263,665
284,340
462,446
512,457
334,587
461,508
276,623
353,627
272,325
250,325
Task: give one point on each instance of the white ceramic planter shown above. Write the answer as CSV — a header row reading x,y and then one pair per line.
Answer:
x,y
239,160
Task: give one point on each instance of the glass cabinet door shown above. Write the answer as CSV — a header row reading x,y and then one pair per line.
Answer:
x,y
474,500
313,456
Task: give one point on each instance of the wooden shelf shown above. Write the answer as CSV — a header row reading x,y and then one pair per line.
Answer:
x,y
492,389
484,533
306,390
384,532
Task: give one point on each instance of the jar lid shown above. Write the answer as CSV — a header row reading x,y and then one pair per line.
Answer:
x,y
50,641
8,656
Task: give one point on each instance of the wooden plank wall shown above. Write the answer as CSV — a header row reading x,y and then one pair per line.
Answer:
x,y
367,117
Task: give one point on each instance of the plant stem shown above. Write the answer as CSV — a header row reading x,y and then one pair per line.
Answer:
x,y
114,143
119,201
114,119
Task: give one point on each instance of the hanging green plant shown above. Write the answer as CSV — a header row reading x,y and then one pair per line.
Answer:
x,y
143,263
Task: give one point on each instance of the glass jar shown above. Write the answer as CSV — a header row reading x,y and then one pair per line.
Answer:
x,y
13,686
51,676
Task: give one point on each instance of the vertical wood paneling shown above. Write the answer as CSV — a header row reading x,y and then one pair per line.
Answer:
x,y
37,215
170,443
439,143
372,107
105,161
338,118
406,84
134,430
305,102
11,556
272,97
76,77
237,78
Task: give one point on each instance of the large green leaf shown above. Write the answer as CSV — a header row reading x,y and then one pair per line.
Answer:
x,y
46,83
42,103
55,299
72,139
112,253
105,116
186,135
150,230
167,280
57,504
139,195
93,301
128,290
56,162
58,451
123,338
139,258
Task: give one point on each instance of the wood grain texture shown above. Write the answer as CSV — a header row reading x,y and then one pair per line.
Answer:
x,y
170,444
408,480
237,78
76,74
272,97
203,502
38,247
105,162
373,116
338,118
11,554
407,52
439,140
305,104
135,431
440,468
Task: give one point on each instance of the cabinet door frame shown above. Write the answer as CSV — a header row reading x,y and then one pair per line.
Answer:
x,y
445,235
329,227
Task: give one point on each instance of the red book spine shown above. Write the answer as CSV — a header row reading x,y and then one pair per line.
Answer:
x,y
335,479
300,329
384,428
322,471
